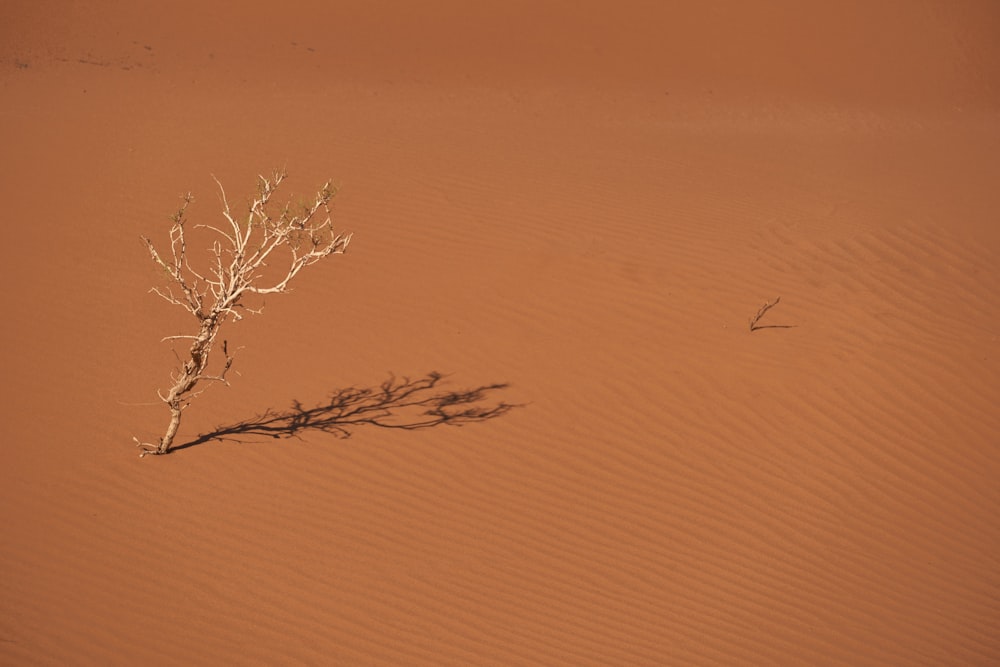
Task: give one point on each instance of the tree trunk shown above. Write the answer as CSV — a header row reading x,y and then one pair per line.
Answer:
x,y
192,372
168,437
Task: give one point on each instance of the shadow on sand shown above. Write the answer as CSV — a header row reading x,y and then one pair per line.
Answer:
x,y
397,403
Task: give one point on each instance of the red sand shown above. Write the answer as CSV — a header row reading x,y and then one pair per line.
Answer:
x,y
584,200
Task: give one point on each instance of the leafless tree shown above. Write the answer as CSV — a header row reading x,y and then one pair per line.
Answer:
x,y
290,238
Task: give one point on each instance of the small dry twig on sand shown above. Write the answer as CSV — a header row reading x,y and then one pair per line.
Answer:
x,y
760,313
237,261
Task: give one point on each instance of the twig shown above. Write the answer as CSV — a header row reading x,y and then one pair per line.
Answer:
x,y
760,313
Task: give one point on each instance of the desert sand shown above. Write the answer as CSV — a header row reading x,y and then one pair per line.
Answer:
x,y
575,206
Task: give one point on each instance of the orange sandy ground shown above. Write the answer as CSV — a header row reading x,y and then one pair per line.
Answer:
x,y
585,200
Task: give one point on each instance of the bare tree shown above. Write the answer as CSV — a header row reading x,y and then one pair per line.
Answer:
x,y
237,268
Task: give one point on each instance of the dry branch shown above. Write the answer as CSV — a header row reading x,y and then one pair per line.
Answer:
x,y
760,313
237,261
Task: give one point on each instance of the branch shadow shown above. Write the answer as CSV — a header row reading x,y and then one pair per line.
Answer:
x,y
397,404
773,326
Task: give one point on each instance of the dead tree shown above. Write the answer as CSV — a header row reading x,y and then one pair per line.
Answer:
x,y
238,260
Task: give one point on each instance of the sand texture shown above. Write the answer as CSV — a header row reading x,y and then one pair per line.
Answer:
x,y
568,208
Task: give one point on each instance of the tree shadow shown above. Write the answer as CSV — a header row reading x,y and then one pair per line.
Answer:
x,y
397,403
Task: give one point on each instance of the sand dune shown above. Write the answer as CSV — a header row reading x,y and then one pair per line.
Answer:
x,y
584,204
